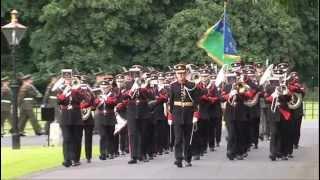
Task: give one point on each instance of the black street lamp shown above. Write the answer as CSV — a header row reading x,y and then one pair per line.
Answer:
x,y
14,33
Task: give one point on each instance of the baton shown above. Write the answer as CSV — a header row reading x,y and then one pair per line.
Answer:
x,y
193,127
170,136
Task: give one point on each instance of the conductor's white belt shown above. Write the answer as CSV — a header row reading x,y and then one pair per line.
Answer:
x,y
5,101
28,99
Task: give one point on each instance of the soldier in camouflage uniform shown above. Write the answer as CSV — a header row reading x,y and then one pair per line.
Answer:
x,y
26,101
5,103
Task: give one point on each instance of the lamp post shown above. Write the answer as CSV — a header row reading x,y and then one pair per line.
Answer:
x,y
14,33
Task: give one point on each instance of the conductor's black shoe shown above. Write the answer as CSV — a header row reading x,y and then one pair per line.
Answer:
x,y
196,157
188,164
102,157
77,163
132,161
239,157
178,164
230,157
272,157
66,163
290,156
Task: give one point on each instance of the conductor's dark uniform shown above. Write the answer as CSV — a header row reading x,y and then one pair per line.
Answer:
x,y
183,101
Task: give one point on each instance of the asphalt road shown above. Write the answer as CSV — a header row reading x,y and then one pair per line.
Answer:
x,y
214,165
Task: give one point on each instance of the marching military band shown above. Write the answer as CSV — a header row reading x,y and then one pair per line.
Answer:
x,y
147,113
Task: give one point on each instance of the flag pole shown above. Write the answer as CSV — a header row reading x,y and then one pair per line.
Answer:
x,y
224,22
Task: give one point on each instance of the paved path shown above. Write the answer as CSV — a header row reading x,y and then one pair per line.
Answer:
x,y
214,165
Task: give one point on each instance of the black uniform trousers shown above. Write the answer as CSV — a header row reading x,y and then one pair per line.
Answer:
x,y
106,139
124,146
296,125
212,131
200,138
146,137
286,137
88,133
72,136
254,130
275,138
160,135
218,129
182,142
237,138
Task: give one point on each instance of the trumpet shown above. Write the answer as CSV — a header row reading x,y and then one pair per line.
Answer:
x,y
241,87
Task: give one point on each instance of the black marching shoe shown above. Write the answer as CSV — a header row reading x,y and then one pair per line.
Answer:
x,y
103,157
178,164
290,156
196,157
66,163
245,155
272,157
284,158
22,134
132,161
239,157
188,164
212,149
295,146
76,163
230,157
111,156
39,133
88,160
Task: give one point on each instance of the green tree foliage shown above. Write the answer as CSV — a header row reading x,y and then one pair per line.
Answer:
x,y
88,34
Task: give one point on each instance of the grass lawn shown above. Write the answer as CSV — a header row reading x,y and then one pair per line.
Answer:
x,y
16,163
